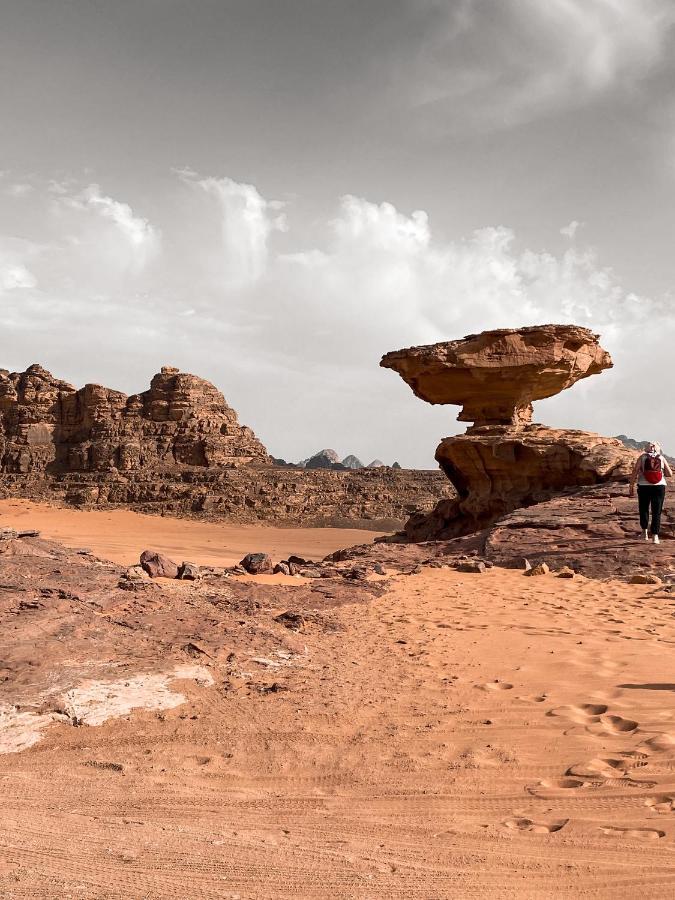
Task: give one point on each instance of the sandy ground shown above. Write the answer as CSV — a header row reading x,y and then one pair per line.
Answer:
x,y
121,535
459,736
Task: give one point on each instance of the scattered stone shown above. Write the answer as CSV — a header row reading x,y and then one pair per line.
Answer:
x,y
282,568
644,578
157,565
8,534
106,766
189,572
292,620
565,572
256,563
378,569
300,561
541,569
136,573
476,566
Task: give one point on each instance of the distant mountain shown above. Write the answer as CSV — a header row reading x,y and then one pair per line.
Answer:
x,y
375,464
632,444
324,459
352,462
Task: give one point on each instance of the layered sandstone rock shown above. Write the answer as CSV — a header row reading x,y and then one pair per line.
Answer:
x,y
504,462
181,421
496,375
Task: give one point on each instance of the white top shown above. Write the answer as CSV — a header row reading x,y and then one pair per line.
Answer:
x,y
641,478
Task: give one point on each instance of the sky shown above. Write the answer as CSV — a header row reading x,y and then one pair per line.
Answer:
x,y
274,193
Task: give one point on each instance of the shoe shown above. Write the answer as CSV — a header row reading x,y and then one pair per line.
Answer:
x,y
646,534
656,539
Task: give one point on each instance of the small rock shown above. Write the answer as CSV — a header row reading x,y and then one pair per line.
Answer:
x,y
282,568
378,569
257,563
289,619
189,572
476,566
541,569
644,578
300,561
136,573
157,565
31,532
565,572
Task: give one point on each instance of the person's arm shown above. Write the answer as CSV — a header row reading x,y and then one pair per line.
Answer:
x,y
666,467
633,476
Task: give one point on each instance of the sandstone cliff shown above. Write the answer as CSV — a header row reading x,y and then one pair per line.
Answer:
x,y
178,449
48,425
504,462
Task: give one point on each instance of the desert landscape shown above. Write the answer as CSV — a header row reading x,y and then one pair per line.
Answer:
x,y
337,458
475,705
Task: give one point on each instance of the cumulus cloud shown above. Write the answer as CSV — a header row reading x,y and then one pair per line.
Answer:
x,y
246,222
503,63
294,335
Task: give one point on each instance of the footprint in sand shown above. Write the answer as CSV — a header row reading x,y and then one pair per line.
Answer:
x,y
661,743
522,824
618,725
495,686
605,767
640,834
583,713
663,804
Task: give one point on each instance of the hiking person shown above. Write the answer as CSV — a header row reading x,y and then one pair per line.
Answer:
x,y
649,471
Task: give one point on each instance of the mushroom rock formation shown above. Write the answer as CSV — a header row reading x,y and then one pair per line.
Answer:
x,y
496,375
182,420
504,462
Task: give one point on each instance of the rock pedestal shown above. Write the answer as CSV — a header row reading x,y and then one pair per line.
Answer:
x,y
504,462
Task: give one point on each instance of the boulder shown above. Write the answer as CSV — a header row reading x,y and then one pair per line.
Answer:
x,y
256,563
644,578
475,565
189,572
157,565
541,569
281,568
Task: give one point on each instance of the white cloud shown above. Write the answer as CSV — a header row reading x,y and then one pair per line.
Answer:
x,y
503,63
246,222
296,336
571,229
19,189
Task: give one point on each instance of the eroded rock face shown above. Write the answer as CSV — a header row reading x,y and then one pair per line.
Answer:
x,y
496,375
182,420
505,462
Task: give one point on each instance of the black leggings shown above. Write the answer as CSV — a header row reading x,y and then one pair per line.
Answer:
x,y
651,495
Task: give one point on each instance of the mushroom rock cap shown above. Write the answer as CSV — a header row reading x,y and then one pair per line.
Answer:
x,y
495,375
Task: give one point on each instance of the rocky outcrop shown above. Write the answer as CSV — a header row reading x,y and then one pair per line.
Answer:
x,y
181,421
496,375
504,462
375,499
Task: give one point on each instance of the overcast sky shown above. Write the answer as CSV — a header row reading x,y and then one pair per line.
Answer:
x,y
273,193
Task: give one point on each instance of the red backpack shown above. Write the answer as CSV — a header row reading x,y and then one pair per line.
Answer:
x,y
651,468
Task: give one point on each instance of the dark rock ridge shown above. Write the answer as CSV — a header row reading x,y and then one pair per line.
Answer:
x,y
505,462
182,420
